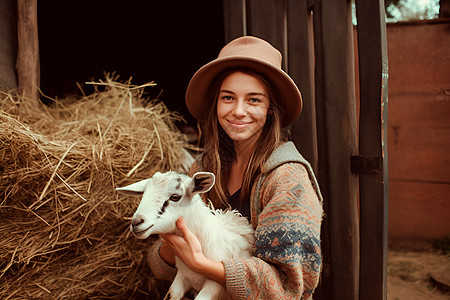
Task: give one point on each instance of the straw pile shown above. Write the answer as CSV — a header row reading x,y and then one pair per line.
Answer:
x,y
64,231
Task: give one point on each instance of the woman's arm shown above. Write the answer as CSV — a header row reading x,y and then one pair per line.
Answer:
x,y
160,268
167,255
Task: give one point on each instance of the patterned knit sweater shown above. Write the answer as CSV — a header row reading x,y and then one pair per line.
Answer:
x,y
286,212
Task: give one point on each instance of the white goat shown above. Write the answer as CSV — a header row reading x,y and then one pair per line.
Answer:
x,y
222,234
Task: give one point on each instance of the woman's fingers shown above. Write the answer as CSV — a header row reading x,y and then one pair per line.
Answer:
x,y
187,246
181,225
186,235
174,240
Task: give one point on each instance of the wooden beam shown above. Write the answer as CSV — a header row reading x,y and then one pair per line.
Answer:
x,y
337,142
373,72
27,64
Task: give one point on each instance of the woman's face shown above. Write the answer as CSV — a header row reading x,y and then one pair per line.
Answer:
x,y
242,106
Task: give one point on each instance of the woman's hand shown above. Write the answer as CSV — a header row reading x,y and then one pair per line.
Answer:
x,y
188,248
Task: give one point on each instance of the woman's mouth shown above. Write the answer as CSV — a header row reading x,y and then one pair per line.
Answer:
x,y
238,124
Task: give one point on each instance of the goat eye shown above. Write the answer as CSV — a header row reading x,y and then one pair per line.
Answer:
x,y
175,197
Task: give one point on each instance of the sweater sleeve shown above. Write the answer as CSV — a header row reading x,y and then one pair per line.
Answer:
x,y
287,255
160,269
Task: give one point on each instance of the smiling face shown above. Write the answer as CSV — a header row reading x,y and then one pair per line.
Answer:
x,y
242,106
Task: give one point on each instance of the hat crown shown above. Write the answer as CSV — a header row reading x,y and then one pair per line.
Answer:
x,y
252,48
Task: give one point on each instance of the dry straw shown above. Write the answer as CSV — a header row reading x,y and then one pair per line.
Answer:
x,y
63,229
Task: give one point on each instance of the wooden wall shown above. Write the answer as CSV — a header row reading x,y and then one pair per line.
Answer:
x,y
419,130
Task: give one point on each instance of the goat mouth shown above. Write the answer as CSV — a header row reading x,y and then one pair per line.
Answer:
x,y
141,231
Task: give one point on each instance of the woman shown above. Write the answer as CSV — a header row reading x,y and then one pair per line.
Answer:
x,y
243,100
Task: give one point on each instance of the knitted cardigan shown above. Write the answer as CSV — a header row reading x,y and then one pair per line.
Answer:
x,y
286,212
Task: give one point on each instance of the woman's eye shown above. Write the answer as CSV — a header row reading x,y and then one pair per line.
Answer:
x,y
228,98
255,100
175,197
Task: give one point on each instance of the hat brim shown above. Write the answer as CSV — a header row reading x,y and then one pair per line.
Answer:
x,y
289,99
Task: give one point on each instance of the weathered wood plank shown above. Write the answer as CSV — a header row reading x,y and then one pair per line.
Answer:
x,y
267,19
425,109
337,141
420,210
301,66
235,21
300,53
373,77
27,64
326,285
419,58
419,153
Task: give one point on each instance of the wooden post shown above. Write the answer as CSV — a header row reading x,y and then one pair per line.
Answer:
x,y
27,64
373,167
8,45
301,68
337,142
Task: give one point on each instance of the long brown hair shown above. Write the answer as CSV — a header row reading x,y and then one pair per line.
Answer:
x,y
218,147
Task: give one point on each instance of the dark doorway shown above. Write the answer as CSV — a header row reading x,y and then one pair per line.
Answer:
x,y
161,41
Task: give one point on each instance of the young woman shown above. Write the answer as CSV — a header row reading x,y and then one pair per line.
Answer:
x,y
243,100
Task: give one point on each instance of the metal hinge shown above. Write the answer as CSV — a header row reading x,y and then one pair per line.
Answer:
x,y
363,164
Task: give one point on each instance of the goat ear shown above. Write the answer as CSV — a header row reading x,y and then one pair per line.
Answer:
x,y
135,189
202,182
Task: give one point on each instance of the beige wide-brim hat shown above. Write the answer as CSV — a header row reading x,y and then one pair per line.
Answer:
x,y
247,52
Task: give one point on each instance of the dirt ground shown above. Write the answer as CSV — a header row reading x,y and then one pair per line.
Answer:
x,y
409,271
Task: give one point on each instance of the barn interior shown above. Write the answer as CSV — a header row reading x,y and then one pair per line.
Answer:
x,y
157,41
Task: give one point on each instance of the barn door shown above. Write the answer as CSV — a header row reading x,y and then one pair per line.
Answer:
x,y
316,39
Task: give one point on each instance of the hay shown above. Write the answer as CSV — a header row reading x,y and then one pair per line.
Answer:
x,y
63,229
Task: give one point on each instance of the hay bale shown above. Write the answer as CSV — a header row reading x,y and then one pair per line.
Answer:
x,y
64,231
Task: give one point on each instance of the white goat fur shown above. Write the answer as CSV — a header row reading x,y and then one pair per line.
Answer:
x,y
222,234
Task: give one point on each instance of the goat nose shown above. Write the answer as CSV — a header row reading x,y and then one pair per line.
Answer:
x,y
137,220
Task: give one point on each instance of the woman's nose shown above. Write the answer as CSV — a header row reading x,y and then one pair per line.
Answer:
x,y
240,109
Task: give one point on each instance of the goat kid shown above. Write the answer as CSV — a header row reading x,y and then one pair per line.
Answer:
x,y
222,234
